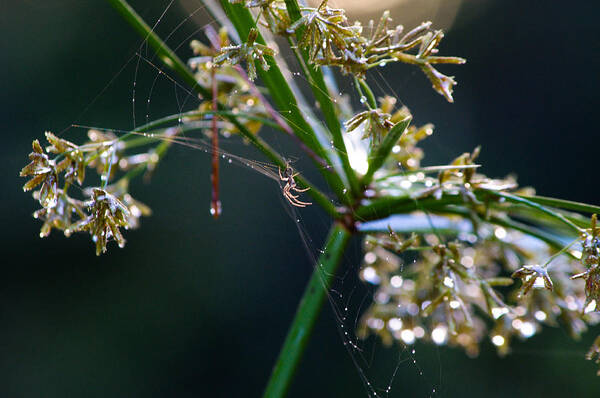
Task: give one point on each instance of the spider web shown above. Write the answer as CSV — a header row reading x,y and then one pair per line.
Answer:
x,y
382,371
348,296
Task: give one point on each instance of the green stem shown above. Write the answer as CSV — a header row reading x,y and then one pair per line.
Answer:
x,y
307,312
321,93
173,61
284,98
365,91
563,204
521,200
560,252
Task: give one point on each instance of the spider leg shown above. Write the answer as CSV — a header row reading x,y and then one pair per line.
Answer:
x,y
301,189
292,195
299,203
280,176
294,202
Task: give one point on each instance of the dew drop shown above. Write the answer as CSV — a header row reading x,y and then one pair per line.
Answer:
x,y
215,208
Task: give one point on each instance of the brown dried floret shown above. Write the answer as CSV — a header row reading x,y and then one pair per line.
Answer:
x,y
107,215
43,171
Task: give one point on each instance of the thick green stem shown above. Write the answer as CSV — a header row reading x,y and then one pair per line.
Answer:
x,y
307,312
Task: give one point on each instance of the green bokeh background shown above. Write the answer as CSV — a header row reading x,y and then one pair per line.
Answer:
x,y
195,307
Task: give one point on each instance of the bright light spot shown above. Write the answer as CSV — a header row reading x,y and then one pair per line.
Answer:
x,y
412,309
439,334
405,184
408,336
454,304
540,316
500,233
539,283
517,324
425,304
419,332
396,149
577,254
357,151
448,282
396,281
497,312
590,307
467,261
428,183
370,257
375,323
370,275
527,329
498,340
395,324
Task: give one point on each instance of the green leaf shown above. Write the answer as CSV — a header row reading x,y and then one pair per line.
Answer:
x,y
563,204
381,152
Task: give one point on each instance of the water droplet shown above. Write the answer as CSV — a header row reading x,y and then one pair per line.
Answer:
x,y
215,208
363,99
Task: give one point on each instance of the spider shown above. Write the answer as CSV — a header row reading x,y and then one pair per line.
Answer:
x,y
290,185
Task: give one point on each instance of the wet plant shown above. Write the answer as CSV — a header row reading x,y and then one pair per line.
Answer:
x,y
491,259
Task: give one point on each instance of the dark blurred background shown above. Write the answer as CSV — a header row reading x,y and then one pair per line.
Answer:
x,y
196,307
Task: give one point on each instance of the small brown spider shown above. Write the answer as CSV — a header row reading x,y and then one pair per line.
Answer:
x,y
290,185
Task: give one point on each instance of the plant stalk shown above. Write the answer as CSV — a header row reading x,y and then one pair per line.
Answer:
x,y
307,312
284,98
321,94
173,61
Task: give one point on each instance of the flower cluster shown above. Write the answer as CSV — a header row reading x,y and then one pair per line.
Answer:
x,y
107,214
330,39
249,51
234,91
449,290
54,176
444,294
590,242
